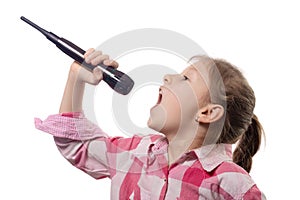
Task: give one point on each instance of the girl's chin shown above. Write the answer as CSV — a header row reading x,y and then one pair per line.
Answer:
x,y
149,122
154,125
157,119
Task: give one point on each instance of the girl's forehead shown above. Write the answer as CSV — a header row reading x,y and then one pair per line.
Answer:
x,y
200,68
190,68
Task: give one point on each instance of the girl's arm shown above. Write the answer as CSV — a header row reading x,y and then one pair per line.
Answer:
x,y
83,143
80,141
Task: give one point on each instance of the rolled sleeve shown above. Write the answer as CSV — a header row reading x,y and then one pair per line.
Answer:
x,y
88,148
73,135
75,128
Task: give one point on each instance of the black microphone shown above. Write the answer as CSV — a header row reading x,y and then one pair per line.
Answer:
x,y
117,80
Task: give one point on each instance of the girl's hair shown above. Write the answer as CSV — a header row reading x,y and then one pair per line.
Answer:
x,y
240,123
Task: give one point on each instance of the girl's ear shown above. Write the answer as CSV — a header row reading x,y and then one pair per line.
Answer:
x,y
210,113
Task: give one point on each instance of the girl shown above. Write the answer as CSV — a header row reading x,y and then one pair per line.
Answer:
x,y
200,113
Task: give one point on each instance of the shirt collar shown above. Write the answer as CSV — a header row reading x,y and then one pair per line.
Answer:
x,y
160,145
211,156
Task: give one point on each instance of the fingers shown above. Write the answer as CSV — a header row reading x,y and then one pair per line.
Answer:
x,y
96,57
92,54
88,52
111,63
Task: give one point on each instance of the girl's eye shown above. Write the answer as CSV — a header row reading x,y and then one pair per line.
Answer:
x,y
185,77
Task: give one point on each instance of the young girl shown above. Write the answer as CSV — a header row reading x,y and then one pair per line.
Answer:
x,y
200,113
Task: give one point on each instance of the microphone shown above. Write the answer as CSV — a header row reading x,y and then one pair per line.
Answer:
x,y
117,80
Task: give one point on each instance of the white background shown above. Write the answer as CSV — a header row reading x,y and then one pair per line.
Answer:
x,y
261,38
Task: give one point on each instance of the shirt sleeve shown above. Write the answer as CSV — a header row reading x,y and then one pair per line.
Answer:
x,y
254,194
86,146
230,181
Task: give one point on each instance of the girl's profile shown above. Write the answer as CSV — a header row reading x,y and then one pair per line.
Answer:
x,y
200,113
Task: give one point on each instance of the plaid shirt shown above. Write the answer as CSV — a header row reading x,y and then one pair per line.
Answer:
x,y
138,166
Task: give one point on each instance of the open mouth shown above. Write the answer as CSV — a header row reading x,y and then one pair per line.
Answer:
x,y
159,96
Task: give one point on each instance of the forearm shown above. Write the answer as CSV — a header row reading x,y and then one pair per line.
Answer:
x,y
73,93
83,156
74,134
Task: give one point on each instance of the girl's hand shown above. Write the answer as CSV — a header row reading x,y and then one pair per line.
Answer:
x,y
94,58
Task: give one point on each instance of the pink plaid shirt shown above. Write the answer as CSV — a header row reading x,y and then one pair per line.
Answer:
x,y
138,166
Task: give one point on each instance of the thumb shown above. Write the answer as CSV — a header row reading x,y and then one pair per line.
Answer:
x,y
97,75
92,78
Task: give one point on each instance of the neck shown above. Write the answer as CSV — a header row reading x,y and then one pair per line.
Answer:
x,y
183,141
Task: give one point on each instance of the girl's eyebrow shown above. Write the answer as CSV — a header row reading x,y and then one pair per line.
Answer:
x,y
193,69
190,70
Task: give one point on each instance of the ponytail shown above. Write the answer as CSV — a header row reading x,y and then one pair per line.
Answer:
x,y
248,145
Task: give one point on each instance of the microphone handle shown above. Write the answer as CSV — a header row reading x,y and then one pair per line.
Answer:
x,y
117,80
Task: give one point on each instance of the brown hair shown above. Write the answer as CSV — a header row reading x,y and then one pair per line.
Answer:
x,y
238,99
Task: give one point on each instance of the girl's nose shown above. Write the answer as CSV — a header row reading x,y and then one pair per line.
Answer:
x,y
171,78
167,79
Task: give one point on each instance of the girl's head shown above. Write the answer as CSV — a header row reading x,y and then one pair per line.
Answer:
x,y
209,93
240,123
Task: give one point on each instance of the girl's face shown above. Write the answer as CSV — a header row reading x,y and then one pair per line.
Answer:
x,y
180,98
